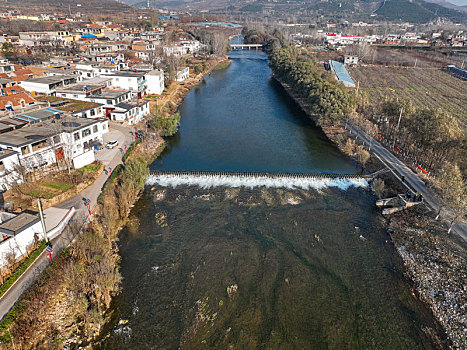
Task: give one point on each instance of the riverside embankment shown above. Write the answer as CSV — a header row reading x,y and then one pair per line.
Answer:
x,y
434,261
211,264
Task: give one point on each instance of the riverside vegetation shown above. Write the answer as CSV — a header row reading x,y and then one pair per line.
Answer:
x,y
428,136
67,305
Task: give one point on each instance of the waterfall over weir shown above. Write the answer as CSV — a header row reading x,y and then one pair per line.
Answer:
x,y
208,179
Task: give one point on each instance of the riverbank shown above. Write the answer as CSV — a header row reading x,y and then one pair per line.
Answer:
x,y
178,90
73,294
437,265
434,261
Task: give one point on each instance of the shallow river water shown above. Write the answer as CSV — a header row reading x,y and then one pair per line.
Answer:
x,y
258,267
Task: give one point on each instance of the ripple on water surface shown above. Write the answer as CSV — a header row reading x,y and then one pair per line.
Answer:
x,y
263,268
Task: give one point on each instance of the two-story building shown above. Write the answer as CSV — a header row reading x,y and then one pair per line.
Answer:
x,y
64,138
155,82
131,113
128,80
182,74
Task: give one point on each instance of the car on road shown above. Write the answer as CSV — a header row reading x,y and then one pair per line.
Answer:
x,y
112,144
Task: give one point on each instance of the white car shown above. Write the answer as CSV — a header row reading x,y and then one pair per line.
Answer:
x,y
112,144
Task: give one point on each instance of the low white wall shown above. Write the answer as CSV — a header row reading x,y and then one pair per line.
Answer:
x,y
84,159
20,242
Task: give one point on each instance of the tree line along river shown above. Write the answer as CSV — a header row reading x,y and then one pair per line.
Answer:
x,y
259,267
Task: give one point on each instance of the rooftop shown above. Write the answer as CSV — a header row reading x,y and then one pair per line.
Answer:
x,y
82,87
6,153
129,74
51,80
44,130
19,223
68,105
106,93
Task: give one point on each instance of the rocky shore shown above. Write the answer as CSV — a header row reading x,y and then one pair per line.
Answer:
x,y
437,265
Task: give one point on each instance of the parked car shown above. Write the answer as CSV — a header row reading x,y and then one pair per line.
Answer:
x,y
112,144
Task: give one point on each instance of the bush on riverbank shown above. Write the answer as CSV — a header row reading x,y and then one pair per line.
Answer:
x,y
223,65
166,125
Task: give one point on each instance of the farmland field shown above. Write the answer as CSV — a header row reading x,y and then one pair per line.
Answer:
x,y
425,87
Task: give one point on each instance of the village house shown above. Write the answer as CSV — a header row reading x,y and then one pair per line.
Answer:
x,y
8,162
43,144
131,113
155,82
17,233
48,85
350,60
15,101
182,74
128,80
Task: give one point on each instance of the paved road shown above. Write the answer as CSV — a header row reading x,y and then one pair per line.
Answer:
x,y
410,177
110,158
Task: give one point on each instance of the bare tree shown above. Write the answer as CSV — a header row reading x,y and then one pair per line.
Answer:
x,y
218,44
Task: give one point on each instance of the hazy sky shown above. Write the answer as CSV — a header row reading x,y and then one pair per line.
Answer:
x,y
459,2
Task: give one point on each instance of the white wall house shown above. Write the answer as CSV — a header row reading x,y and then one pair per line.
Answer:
x,y
182,74
128,80
8,169
174,50
47,85
132,113
17,233
109,98
93,112
45,143
96,91
155,82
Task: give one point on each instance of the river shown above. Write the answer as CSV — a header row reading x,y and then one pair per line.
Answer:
x,y
259,267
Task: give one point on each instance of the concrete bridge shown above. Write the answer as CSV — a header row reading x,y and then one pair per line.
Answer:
x,y
246,46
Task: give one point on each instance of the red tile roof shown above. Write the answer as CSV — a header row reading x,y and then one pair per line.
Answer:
x,y
15,100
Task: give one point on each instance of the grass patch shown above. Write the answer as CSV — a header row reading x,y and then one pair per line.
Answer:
x,y
58,186
223,65
21,268
41,194
130,149
91,167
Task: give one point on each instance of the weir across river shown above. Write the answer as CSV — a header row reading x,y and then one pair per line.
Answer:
x,y
259,174
208,179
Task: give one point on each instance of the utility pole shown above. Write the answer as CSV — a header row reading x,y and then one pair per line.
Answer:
x,y
415,65
462,67
397,128
42,219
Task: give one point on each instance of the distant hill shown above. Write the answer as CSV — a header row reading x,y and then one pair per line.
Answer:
x,y
418,11
449,5
415,11
83,6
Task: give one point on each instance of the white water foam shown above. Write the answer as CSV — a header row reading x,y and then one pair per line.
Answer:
x,y
209,181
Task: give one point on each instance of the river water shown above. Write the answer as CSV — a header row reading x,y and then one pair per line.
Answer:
x,y
260,267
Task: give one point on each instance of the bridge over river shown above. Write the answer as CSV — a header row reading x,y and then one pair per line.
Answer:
x,y
246,46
